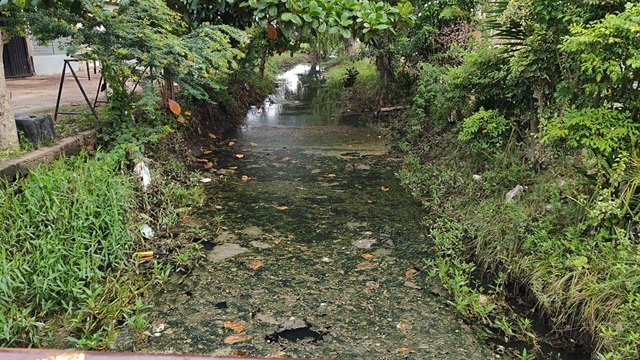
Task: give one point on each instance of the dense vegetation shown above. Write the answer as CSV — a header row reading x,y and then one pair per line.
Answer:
x,y
536,96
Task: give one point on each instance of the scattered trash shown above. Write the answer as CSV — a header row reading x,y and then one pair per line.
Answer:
x,y
511,195
145,255
147,232
143,171
205,180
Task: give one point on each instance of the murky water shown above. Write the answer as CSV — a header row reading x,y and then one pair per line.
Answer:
x,y
319,250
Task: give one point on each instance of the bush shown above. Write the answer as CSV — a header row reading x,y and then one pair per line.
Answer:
x,y
485,131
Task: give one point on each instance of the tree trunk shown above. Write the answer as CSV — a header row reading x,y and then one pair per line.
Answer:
x,y
385,70
8,131
350,46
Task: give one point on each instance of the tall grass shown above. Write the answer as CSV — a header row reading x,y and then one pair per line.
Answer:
x,y
64,237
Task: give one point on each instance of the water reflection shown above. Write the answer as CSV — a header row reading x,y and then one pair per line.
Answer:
x,y
301,100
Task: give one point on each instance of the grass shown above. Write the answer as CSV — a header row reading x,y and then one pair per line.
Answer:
x,y
68,125
583,279
65,254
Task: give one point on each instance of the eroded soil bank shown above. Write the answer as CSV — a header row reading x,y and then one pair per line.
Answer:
x,y
313,250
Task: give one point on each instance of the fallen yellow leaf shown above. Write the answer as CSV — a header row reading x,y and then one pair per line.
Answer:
x,y
234,168
180,119
207,152
253,144
384,188
145,254
281,207
365,265
245,178
209,165
187,113
410,273
255,265
231,143
174,107
239,156
304,248
368,256
237,327
330,175
286,158
277,241
202,160
213,136
232,339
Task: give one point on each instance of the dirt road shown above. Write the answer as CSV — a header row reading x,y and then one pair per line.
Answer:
x,y
40,92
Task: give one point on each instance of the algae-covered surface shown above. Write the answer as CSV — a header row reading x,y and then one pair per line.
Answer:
x,y
316,252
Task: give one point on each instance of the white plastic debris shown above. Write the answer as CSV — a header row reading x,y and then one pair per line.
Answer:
x,y
205,180
143,171
511,195
147,232
477,177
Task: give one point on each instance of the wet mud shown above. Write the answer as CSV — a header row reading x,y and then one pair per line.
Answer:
x,y
313,250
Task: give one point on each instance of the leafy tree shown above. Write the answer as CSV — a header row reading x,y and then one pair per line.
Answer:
x,y
369,21
8,9
145,43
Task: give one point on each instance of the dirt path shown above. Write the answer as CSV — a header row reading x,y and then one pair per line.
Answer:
x,y
40,92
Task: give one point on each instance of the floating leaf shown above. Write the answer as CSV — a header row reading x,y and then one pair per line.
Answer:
x,y
231,143
365,265
180,119
237,327
239,156
174,107
208,165
330,175
253,144
272,33
232,339
409,274
207,152
281,207
254,266
213,136
384,188
368,256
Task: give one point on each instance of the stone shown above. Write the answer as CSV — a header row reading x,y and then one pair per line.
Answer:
x,y
222,252
252,231
511,195
38,129
364,244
